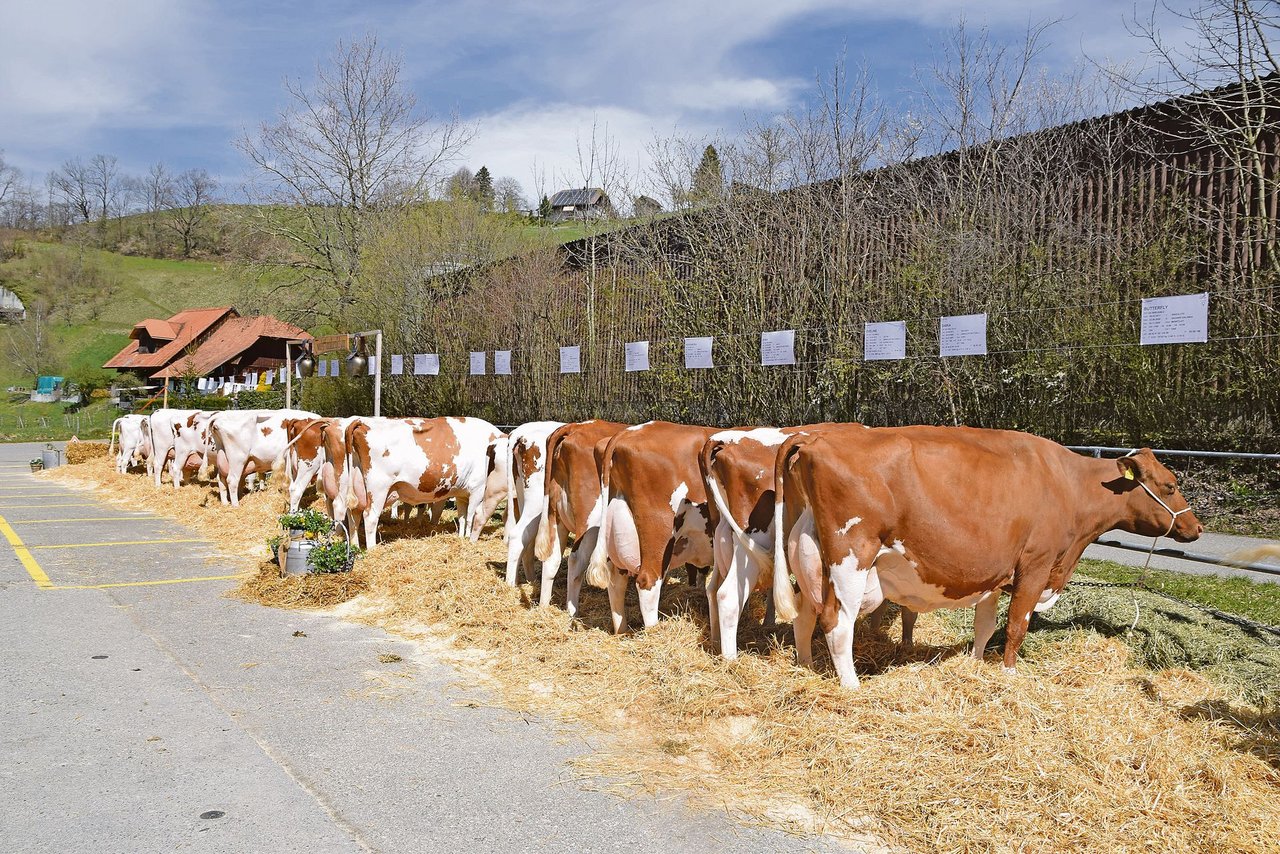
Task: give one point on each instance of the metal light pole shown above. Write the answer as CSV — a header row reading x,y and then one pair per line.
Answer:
x,y
376,365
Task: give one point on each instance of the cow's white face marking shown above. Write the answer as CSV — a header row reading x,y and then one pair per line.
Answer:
x,y
678,496
849,525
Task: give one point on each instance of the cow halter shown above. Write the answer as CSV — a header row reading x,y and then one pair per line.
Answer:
x,y
1173,514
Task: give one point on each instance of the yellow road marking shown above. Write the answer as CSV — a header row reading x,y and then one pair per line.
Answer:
x,y
93,519
117,543
138,583
43,495
43,506
24,555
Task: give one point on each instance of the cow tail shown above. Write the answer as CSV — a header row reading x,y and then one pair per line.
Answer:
x,y
784,594
513,456
208,464
355,475
764,557
598,569
111,447
548,534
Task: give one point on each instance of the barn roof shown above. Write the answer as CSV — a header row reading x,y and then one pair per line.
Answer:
x,y
228,341
182,330
582,196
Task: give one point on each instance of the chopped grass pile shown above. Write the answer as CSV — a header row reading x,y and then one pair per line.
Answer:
x,y
1083,749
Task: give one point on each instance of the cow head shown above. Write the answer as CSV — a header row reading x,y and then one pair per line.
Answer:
x,y
1156,505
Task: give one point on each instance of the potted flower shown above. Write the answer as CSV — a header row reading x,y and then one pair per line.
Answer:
x,y
333,556
37,465
305,529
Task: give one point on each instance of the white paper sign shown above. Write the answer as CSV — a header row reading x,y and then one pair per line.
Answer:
x,y
426,364
200,384
637,356
502,361
963,335
397,365
570,360
778,348
271,377
253,380
479,362
1176,320
697,352
322,369
886,340
333,368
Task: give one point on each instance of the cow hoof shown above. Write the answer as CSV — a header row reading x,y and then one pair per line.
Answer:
x,y
1009,671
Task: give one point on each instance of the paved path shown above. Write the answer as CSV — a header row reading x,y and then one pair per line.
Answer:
x,y
1217,545
134,702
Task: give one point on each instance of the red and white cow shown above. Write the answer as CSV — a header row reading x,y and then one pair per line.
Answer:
x,y
574,506
245,442
190,445
948,517
135,440
526,492
655,515
161,426
426,461
306,461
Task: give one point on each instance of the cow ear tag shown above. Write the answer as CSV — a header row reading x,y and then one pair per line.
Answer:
x,y
1128,474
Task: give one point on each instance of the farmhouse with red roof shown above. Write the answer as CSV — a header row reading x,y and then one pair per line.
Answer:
x,y
205,342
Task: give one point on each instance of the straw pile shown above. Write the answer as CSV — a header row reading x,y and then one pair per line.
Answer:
x,y
1079,751
79,452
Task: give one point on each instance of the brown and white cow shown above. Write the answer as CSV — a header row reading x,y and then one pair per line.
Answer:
x,y
573,506
655,516
161,426
306,460
135,440
526,492
245,442
425,461
190,445
948,517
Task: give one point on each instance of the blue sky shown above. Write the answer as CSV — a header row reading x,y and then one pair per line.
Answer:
x,y
179,80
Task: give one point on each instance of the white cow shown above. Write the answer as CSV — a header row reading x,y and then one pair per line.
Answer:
x,y
425,461
248,441
135,440
160,425
190,444
526,493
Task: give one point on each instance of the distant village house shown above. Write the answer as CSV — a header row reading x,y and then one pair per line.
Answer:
x,y
585,203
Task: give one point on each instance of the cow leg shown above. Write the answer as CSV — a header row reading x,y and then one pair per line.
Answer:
x,y
373,515
235,479
1026,595
648,600
463,503
550,567
849,585
769,620
617,599
519,542
732,597
806,619
908,629
222,466
721,556
579,558
875,620
984,623
485,506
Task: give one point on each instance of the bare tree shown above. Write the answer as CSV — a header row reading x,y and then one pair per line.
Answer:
x,y
29,343
509,195
10,178
192,193
106,184
350,146
73,183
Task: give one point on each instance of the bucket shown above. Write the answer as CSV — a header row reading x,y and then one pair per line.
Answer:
x,y
295,562
51,457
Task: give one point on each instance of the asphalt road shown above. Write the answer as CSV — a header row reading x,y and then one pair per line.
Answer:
x,y
143,712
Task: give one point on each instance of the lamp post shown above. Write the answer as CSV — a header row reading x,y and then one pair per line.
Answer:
x,y
306,366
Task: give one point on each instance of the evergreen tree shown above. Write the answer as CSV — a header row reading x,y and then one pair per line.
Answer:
x,y
484,188
544,209
708,178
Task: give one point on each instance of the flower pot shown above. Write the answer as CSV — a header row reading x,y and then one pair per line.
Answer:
x,y
37,465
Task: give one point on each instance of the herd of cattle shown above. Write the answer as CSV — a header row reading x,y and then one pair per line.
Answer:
x,y
925,517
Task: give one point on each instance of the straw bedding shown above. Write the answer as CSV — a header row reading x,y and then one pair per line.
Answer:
x,y
79,452
1082,750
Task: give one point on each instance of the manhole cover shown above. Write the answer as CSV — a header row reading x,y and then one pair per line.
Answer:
x,y
212,814
99,657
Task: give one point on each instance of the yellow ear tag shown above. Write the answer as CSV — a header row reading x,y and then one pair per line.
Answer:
x,y
1128,474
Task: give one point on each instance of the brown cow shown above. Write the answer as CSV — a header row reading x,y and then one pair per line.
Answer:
x,y
304,456
947,517
572,504
655,515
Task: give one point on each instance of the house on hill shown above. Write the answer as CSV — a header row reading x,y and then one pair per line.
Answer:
x,y
204,342
584,203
